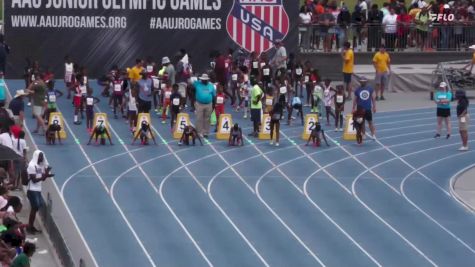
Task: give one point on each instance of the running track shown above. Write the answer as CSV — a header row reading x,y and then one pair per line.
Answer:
x,y
385,203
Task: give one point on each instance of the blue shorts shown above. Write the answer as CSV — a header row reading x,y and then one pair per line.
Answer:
x,y
347,77
36,199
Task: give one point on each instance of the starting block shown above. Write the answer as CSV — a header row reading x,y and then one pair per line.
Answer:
x,y
140,118
350,133
100,119
225,124
57,118
310,122
264,133
182,120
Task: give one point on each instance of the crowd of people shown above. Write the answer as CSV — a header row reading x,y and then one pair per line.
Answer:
x,y
442,25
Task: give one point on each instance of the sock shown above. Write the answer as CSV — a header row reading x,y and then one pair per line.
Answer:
x,y
75,118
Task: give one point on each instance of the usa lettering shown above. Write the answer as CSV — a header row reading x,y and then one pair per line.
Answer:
x,y
257,25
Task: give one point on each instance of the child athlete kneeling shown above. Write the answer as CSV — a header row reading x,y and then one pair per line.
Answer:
x,y
100,131
235,136
189,131
143,134
317,135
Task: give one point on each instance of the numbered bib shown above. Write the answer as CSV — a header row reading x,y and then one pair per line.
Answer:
x,y
168,94
69,68
463,119
306,79
163,86
226,65
89,101
149,68
269,101
156,83
298,71
117,88
339,99
83,89
176,101
283,90
52,98
255,64
219,100
266,72
85,80
234,77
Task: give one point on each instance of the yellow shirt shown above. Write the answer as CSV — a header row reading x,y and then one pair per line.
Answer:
x,y
381,62
473,58
135,73
348,61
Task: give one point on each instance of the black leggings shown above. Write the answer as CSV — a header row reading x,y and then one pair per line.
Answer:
x,y
117,102
291,109
276,124
338,118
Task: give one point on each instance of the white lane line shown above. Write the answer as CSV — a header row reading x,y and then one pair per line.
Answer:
x,y
425,213
72,176
420,132
313,203
409,114
60,195
454,193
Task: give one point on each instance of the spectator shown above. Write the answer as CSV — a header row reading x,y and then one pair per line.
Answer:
x,y
38,171
19,145
390,28
204,104
17,106
305,19
446,30
472,47
422,21
363,6
382,66
375,18
6,118
357,21
37,89
344,22
4,51
326,21
463,117
24,258
385,9
403,27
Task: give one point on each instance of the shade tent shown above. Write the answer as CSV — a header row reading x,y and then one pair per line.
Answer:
x,y
7,153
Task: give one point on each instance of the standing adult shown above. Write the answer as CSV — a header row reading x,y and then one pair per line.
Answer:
x,y
364,99
348,63
38,91
442,98
279,61
256,106
205,101
390,29
382,66
145,94
17,106
375,18
38,171
4,51
134,73
463,117
3,90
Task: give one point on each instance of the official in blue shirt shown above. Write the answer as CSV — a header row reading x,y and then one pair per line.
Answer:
x,y
145,94
364,98
442,98
205,97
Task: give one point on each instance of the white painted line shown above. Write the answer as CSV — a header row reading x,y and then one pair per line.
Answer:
x,y
425,213
81,236
454,193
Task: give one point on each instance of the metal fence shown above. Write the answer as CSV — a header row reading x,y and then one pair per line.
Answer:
x,y
401,37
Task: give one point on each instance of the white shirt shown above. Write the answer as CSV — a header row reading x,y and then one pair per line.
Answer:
x,y
22,146
38,171
390,23
305,18
6,140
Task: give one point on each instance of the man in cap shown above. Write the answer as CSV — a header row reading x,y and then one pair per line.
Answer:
x,y
17,106
205,100
364,99
169,69
279,61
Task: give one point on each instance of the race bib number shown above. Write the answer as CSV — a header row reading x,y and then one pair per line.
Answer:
x,y
83,89
283,90
163,86
463,119
219,100
156,83
306,79
298,71
52,98
339,99
234,77
85,80
149,68
69,68
269,101
226,65
89,101
117,88
255,64
176,101
266,72
168,94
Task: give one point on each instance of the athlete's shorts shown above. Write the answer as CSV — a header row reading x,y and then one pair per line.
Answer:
x,y
182,89
68,77
443,112
77,101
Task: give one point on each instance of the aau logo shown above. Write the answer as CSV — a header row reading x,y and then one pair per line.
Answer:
x,y
255,24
